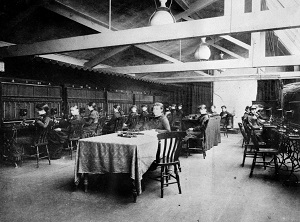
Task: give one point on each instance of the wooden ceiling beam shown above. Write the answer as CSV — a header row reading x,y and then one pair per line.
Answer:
x,y
225,50
185,6
213,64
103,56
188,66
213,26
60,58
99,26
77,16
227,11
266,76
69,60
193,8
236,41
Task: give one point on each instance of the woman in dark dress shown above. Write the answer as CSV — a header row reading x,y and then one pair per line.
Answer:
x,y
92,121
59,135
41,122
133,118
160,122
110,127
202,120
144,116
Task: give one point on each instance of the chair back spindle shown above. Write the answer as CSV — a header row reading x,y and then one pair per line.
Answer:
x,y
243,132
41,136
172,142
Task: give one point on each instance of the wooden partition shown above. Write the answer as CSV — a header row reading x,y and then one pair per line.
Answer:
x,y
163,99
17,96
141,99
82,96
125,100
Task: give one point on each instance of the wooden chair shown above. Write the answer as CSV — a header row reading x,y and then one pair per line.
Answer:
x,y
224,123
260,151
199,139
134,122
169,145
248,144
40,140
75,134
119,122
100,125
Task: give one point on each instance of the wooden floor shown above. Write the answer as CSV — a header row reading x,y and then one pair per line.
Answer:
x,y
213,189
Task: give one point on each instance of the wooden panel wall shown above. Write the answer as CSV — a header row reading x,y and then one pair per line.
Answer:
x,y
125,100
141,99
16,96
82,96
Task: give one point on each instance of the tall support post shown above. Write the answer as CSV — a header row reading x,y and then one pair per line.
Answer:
x,y
237,6
227,7
258,40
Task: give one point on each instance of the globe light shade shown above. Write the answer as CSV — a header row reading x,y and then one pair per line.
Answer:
x,y
203,51
162,16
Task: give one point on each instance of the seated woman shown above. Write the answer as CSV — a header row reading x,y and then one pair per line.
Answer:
x,y
200,128
177,120
213,111
246,114
67,126
59,135
110,126
254,124
202,120
226,117
160,122
179,112
133,118
92,121
144,116
172,115
41,122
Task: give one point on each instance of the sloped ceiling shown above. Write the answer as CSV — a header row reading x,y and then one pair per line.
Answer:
x,y
30,21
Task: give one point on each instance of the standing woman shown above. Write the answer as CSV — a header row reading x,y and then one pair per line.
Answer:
x,y
92,121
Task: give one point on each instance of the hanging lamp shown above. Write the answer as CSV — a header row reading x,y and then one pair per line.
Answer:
x,y
162,15
221,55
221,58
203,51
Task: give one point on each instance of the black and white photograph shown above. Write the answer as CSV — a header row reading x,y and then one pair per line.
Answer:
x,y
150,110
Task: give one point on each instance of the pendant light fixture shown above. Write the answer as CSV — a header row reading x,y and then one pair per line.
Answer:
x,y
221,58
203,51
162,14
221,55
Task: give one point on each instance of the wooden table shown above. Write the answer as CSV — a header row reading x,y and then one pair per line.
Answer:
x,y
114,154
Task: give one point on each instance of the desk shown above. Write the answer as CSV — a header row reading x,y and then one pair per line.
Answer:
x,y
9,147
289,151
114,154
212,132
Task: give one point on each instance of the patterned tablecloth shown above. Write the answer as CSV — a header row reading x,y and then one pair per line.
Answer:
x,y
114,154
